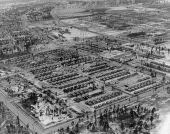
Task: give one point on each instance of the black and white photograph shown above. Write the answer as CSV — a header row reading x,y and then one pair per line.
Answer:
x,y
84,66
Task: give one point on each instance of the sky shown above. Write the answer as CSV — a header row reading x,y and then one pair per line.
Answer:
x,y
14,1
8,3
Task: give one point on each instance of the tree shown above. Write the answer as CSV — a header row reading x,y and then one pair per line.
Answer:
x,y
33,98
101,120
1,54
95,117
68,129
135,131
62,130
146,125
151,119
30,42
163,79
122,126
106,126
152,74
93,128
8,129
153,110
77,128
71,132
131,113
